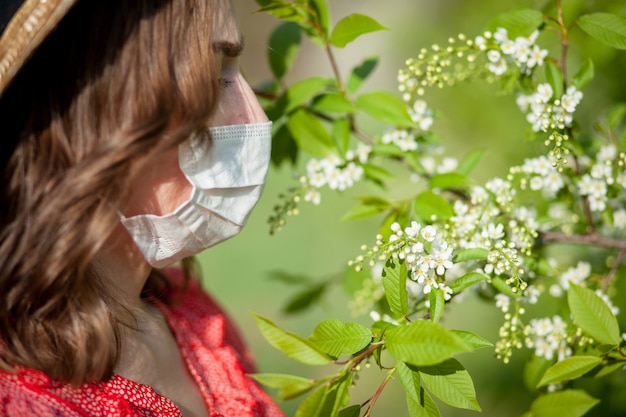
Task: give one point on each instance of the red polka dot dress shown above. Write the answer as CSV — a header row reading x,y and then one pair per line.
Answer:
x,y
211,348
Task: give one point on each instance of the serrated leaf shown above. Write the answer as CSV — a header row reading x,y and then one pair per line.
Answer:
x,y
593,315
385,107
428,205
568,403
609,368
409,379
289,386
304,299
608,28
583,75
290,344
569,368
448,180
520,22
437,303
554,76
423,343
394,283
301,93
467,281
472,254
472,339
469,162
360,73
335,337
326,401
332,103
284,45
425,407
310,134
451,383
351,27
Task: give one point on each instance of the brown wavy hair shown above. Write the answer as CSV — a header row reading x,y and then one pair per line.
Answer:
x,y
115,81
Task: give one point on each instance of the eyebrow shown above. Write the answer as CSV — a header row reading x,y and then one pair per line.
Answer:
x,y
229,48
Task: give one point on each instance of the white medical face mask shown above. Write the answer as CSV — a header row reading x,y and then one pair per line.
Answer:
x,y
227,175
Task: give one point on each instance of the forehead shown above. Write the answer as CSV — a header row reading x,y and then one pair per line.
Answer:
x,y
225,28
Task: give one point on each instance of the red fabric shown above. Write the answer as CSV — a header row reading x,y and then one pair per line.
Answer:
x,y
211,347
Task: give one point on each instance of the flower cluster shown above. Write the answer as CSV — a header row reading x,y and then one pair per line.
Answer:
x,y
544,111
335,172
502,51
548,337
540,174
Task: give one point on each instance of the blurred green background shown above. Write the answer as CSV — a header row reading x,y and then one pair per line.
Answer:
x,y
316,244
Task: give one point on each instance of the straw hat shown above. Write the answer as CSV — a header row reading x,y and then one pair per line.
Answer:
x,y
24,24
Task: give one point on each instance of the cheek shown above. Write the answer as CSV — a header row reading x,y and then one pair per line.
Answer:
x,y
158,187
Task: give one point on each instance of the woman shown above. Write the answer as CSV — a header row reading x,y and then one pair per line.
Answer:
x,y
130,142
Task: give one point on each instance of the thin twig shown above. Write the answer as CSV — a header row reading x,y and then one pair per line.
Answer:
x,y
588,239
606,281
372,400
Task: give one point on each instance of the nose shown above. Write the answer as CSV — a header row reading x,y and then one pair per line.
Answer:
x,y
238,105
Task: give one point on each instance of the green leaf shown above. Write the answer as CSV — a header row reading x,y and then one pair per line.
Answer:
x,y
376,173
437,303
332,103
323,15
409,379
385,107
451,383
335,337
428,205
309,134
472,339
291,345
423,343
425,407
351,27
448,180
467,281
472,254
341,134
568,403
304,299
360,73
469,162
584,74
326,401
517,22
569,368
609,368
607,28
289,386
554,76
284,147
361,211
352,411
301,92
592,315
534,370
283,47
288,278
499,284
394,283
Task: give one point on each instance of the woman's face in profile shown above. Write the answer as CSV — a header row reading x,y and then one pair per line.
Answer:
x,y
160,186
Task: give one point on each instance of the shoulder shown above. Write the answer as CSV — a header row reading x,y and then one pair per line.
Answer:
x,y
24,393
31,393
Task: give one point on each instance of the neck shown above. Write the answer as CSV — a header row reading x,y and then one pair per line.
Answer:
x,y
120,263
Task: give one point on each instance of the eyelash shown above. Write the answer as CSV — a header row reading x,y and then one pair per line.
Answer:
x,y
224,82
